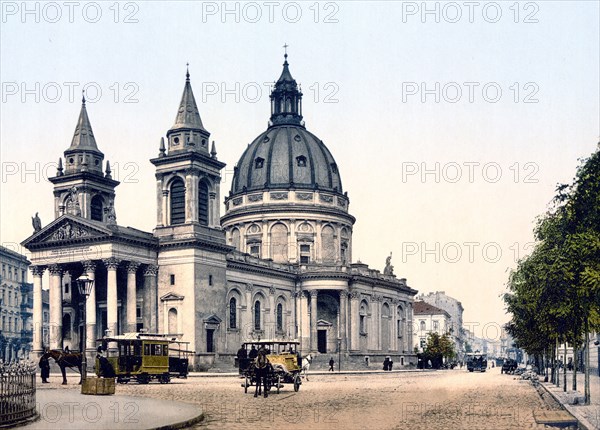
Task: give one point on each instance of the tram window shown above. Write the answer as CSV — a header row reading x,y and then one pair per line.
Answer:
x,y
158,350
137,349
166,350
146,349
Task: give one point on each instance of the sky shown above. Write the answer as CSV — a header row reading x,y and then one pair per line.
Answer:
x,y
451,122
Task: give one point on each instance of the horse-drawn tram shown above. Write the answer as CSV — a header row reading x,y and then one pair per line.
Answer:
x,y
277,361
143,357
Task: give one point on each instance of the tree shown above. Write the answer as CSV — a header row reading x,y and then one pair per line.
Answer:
x,y
554,294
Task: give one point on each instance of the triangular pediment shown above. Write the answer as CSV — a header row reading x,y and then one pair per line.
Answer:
x,y
171,296
323,323
212,319
66,229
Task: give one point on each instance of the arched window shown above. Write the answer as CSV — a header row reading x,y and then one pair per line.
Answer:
x,y
177,202
257,315
235,238
232,313
203,203
362,318
96,208
327,244
280,317
66,328
423,326
172,320
279,243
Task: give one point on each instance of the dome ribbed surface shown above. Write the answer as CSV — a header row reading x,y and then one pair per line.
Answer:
x,y
286,157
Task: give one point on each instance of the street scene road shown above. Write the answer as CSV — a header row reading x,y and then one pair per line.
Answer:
x,y
452,399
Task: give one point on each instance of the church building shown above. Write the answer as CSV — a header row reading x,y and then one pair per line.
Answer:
x,y
276,265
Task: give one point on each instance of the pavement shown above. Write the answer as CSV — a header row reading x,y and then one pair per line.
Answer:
x,y
65,408
587,415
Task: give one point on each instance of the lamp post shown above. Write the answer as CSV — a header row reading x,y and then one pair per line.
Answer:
x,y
84,285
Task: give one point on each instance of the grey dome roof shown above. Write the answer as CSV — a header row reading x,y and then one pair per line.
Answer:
x,y
286,156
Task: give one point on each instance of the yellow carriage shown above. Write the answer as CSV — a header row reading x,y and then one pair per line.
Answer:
x,y
283,357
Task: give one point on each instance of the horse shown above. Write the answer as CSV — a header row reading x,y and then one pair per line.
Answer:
x,y
64,360
306,361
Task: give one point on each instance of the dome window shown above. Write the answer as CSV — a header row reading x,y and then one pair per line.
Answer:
x,y
334,168
259,162
301,161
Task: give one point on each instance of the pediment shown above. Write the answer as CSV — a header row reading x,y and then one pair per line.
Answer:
x,y
212,319
65,229
170,296
323,323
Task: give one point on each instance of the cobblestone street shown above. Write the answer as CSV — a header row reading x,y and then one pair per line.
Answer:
x,y
453,399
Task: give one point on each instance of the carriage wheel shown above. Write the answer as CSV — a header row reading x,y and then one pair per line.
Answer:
x,y
278,383
297,383
246,384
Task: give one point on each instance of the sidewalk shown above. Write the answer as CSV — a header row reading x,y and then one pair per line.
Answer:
x,y
67,408
588,416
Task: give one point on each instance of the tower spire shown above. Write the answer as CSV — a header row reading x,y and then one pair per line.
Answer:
x,y
187,114
286,98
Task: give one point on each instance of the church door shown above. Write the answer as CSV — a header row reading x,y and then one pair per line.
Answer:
x,y
210,334
322,341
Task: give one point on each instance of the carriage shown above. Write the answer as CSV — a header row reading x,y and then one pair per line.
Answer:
x,y
476,362
284,359
143,357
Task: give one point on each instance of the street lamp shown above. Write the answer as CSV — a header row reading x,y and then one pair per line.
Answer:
x,y
84,285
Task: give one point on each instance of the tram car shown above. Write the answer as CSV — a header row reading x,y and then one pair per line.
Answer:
x,y
284,359
142,357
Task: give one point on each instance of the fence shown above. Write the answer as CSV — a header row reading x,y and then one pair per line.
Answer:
x,y
17,393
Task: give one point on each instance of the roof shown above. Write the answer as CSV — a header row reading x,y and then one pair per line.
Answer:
x,y
284,157
423,308
83,137
188,115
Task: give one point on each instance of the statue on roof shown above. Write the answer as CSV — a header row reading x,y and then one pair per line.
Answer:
x,y
389,269
36,222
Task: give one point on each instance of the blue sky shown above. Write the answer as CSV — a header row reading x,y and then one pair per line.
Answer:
x,y
370,73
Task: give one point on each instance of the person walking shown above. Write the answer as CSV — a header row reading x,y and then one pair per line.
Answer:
x,y
331,363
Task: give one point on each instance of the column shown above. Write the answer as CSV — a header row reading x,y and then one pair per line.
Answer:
x,y
111,294
213,209
131,296
354,322
191,195
150,298
313,320
164,215
272,320
247,321
409,328
38,314
343,319
55,326
304,322
89,267
159,200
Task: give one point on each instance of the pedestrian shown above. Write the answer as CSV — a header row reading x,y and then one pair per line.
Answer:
x,y
367,360
390,364
331,363
386,363
44,369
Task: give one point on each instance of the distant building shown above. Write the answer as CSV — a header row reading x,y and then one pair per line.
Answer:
x,y
455,309
16,307
427,319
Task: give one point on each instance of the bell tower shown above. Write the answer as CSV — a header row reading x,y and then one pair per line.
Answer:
x,y
80,187
188,175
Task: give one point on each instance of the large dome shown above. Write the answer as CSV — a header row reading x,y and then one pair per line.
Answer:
x,y
286,157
